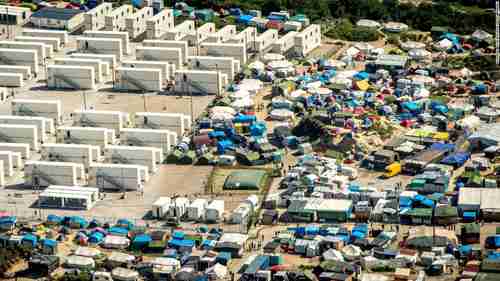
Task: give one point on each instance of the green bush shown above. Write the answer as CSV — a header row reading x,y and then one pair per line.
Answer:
x,y
345,30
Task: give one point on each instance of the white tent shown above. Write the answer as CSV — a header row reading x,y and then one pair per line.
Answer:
x,y
115,242
269,57
363,47
121,273
481,35
367,23
279,64
332,255
351,252
243,103
251,85
218,271
298,93
257,65
408,45
419,54
222,113
352,52
281,114
337,64
240,94
79,262
444,44
87,252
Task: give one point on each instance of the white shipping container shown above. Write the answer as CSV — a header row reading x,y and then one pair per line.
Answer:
x,y
45,173
76,153
115,120
24,70
106,46
214,211
20,134
163,66
240,214
39,122
20,57
177,207
11,79
170,55
138,155
162,139
236,51
175,122
49,43
196,210
8,163
116,176
99,67
22,148
43,108
110,59
62,35
71,76
199,81
124,36
160,207
138,79
183,45
38,47
86,135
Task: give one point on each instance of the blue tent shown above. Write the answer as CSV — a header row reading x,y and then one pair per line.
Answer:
x,y
312,230
118,231
442,146
411,106
244,19
78,222
493,242
96,237
29,240
178,235
223,258
469,216
54,219
216,134
181,244
361,75
405,202
125,223
224,145
258,129
208,244
245,119
141,241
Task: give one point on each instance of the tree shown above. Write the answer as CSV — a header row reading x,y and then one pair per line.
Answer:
x,y
271,6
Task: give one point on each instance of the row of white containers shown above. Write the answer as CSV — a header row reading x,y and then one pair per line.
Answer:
x,y
181,208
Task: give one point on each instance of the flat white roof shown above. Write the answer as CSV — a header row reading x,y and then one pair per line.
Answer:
x,y
485,198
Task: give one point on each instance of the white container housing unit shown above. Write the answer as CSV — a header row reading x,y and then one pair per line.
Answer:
x,y
150,157
43,108
106,46
240,214
115,120
222,35
61,34
124,36
86,135
2,175
196,210
51,41
71,77
175,122
160,207
45,173
68,197
177,208
75,153
38,47
284,43
10,163
163,66
183,45
22,148
138,79
95,19
214,211
20,57
199,81
43,124
179,31
162,139
246,37
157,24
20,134
136,23
110,59
97,65
25,71
170,55
307,40
11,79
123,177
223,64
264,41
15,15
236,51
115,21
202,32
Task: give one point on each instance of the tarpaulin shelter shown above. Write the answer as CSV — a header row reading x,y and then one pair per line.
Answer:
x,y
245,180
118,231
141,241
456,159
54,219
96,237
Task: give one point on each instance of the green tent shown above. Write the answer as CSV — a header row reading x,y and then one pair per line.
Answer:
x,y
173,157
245,180
187,158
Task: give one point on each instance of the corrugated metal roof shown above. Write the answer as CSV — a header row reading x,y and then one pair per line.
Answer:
x,y
56,13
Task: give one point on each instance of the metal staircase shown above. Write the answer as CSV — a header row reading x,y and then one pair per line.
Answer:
x,y
86,122
6,60
44,177
5,138
90,50
105,178
151,125
117,158
134,82
25,111
134,142
67,81
195,85
58,158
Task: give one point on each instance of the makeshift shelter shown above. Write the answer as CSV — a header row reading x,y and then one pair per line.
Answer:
x,y
245,180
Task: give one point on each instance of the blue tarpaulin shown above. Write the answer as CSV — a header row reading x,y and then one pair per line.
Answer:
x,y
405,201
456,159
258,129
223,258
244,19
411,106
29,239
311,230
125,224
54,219
245,119
442,146
96,237
176,243
361,75
49,243
469,215
224,145
141,241
79,222
119,231
179,235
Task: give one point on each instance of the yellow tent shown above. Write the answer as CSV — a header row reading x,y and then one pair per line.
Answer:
x,y
363,85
